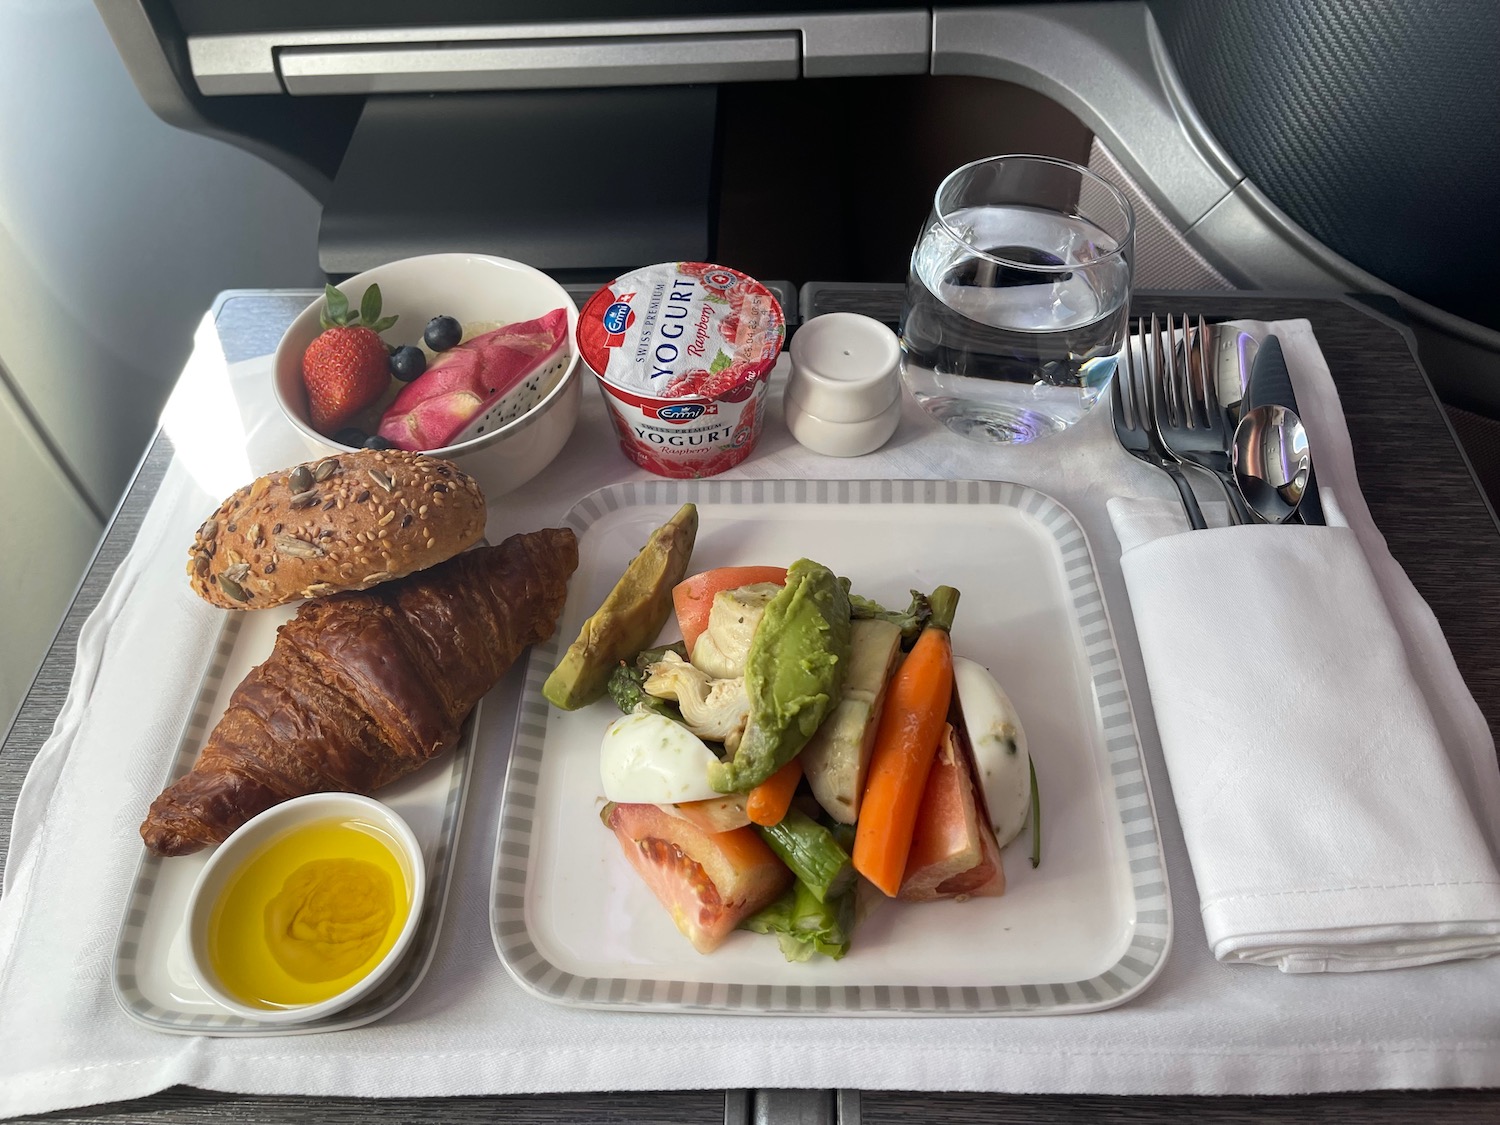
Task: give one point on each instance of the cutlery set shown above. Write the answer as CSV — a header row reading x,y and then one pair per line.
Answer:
x,y
1168,412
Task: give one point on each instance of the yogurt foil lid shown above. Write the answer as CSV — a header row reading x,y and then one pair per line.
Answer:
x,y
682,330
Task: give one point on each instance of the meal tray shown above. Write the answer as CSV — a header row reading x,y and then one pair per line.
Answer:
x,y
152,982
1088,929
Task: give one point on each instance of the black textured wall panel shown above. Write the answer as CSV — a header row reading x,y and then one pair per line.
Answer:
x,y
1375,124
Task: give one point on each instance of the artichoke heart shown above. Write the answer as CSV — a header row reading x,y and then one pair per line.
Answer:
x,y
733,618
715,709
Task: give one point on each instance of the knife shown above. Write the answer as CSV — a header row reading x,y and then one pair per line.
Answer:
x,y
1271,385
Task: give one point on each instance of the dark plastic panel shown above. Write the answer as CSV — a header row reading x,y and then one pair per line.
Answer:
x,y
564,180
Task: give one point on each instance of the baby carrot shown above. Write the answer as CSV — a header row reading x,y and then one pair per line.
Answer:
x,y
767,802
916,706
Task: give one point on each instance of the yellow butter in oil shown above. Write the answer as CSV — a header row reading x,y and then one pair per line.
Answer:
x,y
309,915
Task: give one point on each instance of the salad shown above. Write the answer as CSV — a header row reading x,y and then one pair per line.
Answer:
x,y
801,754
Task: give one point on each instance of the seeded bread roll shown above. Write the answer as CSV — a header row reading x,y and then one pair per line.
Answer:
x,y
346,522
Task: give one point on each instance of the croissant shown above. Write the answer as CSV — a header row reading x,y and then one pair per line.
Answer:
x,y
363,688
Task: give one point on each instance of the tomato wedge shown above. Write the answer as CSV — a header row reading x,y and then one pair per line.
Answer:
x,y
709,882
953,850
694,597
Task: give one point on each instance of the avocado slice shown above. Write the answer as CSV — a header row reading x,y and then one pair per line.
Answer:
x,y
793,675
630,617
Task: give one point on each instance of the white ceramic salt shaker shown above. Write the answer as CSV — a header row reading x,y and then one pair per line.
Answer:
x,y
843,398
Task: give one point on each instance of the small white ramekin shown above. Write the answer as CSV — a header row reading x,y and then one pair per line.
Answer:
x,y
841,439
843,397
247,841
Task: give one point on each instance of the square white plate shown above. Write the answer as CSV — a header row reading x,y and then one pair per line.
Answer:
x,y
1086,930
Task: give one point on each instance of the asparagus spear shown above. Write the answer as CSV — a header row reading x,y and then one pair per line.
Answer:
x,y
911,622
625,682
811,852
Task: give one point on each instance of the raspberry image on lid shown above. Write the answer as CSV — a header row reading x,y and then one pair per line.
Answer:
x,y
683,352
681,329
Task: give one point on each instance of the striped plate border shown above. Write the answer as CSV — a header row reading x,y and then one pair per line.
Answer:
x,y
385,998
1132,794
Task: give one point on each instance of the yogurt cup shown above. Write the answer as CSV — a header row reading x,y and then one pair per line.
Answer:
x,y
682,353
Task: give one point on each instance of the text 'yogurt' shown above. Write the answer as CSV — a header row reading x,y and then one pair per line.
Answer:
x,y
683,353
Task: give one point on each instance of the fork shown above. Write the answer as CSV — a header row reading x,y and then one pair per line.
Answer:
x,y
1192,426
1136,432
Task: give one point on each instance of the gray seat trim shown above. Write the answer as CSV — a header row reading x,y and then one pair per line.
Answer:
x,y
528,56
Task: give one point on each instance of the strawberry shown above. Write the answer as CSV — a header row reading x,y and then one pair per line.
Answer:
x,y
347,368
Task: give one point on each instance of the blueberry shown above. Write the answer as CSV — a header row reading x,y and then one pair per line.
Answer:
x,y
442,333
352,437
377,442
407,363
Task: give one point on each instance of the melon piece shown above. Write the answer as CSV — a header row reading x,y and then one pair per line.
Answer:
x,y
709,881
480,384
953,850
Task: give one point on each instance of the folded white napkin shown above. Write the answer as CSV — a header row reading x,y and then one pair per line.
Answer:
x,y
1326,826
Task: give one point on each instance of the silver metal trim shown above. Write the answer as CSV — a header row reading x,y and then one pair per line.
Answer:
x,y
832,45
794,1107
620,61
1164,258
737,1107
1193,126
1096,61
866,43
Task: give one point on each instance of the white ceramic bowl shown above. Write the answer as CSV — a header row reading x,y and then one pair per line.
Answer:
x,y
468,287
246,842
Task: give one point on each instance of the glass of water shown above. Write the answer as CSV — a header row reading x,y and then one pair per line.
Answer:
x,y
1017,298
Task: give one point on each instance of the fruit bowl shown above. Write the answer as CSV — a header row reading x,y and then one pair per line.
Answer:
x,y
470,288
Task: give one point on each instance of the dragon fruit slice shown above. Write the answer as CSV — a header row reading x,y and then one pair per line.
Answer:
x,y
480,384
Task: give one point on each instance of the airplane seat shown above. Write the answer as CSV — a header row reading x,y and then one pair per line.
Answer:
x,y
1374,128
1339,146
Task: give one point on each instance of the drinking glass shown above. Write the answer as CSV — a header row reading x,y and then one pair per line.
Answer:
x,y
1017,298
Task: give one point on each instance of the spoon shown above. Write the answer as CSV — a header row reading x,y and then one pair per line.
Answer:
x,y
1271,462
